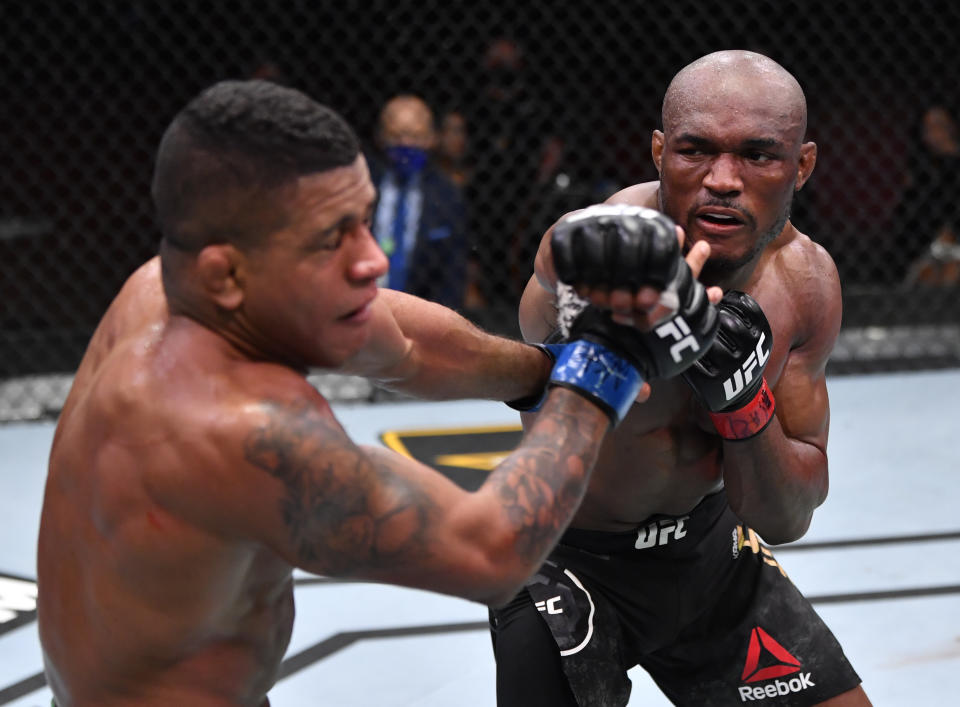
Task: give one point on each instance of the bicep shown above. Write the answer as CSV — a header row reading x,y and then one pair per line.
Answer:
x,y
802,402
335,508
538,312
803,406
404,331
388,345
325,505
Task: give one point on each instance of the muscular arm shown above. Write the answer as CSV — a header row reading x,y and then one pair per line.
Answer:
x,y
331,507
777,479
425,349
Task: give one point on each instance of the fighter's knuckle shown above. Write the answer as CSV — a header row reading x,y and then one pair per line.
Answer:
x,y
615,245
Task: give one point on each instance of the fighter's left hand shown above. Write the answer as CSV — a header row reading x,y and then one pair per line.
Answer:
x,y
622,258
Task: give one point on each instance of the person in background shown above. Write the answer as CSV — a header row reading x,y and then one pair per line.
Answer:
x,y
420,215
928,223
453,148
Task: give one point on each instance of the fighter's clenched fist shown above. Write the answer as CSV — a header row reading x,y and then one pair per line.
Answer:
x,y
625,259
635,247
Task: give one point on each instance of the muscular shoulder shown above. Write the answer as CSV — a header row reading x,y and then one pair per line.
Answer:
x,y
644,194
257,418
271,396
803,270
139,305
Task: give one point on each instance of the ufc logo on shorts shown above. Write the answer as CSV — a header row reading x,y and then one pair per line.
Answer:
x,y
658,532
549,606
679,330
734,384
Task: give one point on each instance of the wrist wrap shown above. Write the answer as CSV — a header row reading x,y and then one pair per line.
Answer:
x,y
594,371
747,421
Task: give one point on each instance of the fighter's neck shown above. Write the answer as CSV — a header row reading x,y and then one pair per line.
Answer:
x,y
231,336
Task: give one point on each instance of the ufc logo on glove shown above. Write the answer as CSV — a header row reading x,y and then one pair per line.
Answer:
x,y
680,331
757,358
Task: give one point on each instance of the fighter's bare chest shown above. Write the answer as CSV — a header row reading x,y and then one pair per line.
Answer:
x,y
664,452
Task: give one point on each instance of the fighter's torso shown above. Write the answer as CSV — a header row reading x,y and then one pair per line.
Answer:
x,y
665,455
659,460
136,598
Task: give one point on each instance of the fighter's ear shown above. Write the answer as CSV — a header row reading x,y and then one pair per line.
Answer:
x,y
808,160
656,148
220,272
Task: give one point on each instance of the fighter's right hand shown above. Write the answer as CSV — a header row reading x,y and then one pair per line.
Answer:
x,y
615,245
636,246
619,257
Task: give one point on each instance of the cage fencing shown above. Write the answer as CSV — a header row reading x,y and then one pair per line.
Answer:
x,y
540,107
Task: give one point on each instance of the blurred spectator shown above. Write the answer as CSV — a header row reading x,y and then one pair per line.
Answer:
x,y
928,218
510,131
453,148
420,217
453,158
267,69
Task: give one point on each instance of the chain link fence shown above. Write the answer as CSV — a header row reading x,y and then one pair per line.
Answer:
x,y
544,107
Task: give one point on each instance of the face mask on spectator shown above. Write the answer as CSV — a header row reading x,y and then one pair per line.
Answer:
x,y
406,159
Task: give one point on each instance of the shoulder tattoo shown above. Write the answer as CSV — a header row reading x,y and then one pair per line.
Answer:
x,y
344,511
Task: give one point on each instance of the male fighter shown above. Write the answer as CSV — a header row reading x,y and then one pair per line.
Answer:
x,y
193,466
662,566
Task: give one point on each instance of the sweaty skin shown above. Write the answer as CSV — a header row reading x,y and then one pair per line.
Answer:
x,y
194,467
666,452
730,159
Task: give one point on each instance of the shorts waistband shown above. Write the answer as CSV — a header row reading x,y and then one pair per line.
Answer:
x,y
659,534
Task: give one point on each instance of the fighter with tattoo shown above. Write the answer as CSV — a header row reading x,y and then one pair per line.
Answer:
x,y
194,466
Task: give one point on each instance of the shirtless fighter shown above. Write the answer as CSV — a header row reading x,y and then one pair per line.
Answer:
x,y
662,566
193,466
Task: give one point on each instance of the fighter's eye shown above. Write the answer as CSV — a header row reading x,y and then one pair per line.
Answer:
x,y
329,239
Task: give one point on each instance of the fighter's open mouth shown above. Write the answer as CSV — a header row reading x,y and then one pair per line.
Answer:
x,y
720,218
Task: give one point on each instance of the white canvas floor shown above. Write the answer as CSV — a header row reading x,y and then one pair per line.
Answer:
x,y
881,563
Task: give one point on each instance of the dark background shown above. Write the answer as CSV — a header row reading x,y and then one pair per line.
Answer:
x,y
88,88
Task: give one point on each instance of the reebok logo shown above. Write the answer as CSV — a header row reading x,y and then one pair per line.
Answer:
x,y
779,687
734,384
762,642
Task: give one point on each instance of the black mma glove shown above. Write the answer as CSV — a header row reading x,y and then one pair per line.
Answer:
x,y
615,245
635,246
728,379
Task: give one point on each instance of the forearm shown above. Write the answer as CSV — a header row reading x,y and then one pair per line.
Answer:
x,y
530,498
774,482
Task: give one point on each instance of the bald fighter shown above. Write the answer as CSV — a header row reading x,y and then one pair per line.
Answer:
x,y
663,566
194,467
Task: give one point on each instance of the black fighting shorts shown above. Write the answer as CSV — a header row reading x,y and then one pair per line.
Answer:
x,y
695,600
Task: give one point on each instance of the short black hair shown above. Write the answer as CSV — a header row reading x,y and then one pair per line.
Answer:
x,y
236,139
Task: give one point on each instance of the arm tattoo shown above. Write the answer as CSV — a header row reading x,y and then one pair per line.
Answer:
x,y
542,483
343,512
